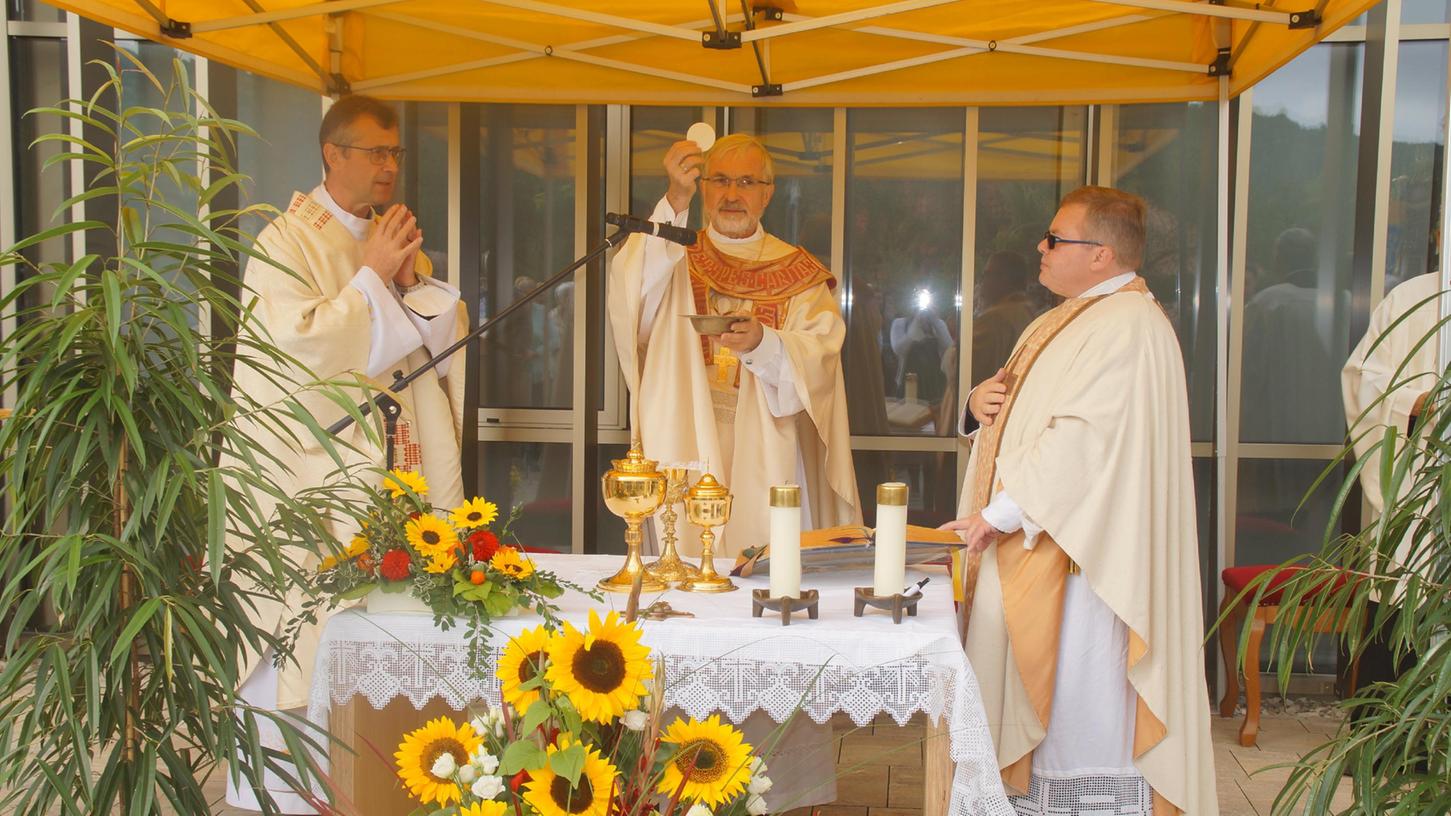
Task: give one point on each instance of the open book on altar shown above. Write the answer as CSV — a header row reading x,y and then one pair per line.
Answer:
x,y
850,546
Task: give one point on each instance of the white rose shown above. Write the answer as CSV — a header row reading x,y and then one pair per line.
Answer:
x,y
760,784
487,787
467,774
756,806
636,721
444,766
481,725
698,809
484,761
758,765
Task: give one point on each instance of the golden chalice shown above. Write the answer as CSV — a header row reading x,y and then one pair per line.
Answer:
x,y
708,505
633,489
668,567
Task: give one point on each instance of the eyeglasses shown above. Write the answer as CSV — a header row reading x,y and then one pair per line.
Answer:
x,y
745,183
379,155
1054,241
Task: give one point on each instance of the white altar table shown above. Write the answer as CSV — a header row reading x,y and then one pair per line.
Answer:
x,y
722,660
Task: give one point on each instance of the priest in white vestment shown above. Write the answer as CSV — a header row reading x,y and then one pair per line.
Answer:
x,y
1386,383
1084,620
763,404
344,290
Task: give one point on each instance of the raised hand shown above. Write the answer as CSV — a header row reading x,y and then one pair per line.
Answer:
x,y
683,165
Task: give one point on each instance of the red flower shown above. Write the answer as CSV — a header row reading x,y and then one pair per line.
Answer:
x,y
395,565
517,780
484,544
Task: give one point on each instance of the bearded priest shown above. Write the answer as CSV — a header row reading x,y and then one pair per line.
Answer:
x,y
763,403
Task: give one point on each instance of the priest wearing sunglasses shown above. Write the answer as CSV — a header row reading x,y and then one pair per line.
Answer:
x,y
1080,584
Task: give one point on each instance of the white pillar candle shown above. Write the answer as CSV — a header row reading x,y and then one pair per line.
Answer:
x,y
890,575
786,541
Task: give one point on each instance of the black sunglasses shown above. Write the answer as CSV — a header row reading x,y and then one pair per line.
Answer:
x,y
1054,241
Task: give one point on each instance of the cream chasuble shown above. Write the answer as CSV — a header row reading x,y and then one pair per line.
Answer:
x,y
695,401
305,305
1093,445
1398,349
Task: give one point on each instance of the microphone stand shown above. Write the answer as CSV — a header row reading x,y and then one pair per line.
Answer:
x,y
390,407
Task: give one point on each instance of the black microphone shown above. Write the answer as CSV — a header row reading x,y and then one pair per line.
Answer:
x,y
670,232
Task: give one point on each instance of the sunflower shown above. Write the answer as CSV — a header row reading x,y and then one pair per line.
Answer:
x,y
356,547
521,662
474,513
421,748
431,535
489,808
603,672
399,482
510,562
552,795
441,562
711,760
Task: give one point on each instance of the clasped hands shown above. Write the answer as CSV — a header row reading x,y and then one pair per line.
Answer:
x,y
391,249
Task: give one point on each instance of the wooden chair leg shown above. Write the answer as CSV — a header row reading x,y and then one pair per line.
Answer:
x,y
1228,642
1249,732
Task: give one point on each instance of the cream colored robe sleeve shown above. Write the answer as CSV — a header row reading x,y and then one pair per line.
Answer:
x,y
1391,366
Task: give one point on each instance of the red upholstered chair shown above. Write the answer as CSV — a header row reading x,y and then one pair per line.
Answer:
x,y
1235,580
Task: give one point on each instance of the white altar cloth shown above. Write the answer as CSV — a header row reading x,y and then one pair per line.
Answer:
x,y
721,660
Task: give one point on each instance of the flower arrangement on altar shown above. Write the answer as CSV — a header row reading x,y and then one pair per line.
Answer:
x,y
452,562
580,733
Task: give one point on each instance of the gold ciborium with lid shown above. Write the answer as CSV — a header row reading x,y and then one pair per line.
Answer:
x,y
633,490
708,505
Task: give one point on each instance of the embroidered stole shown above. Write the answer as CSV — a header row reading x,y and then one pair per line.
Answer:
x,y
767,285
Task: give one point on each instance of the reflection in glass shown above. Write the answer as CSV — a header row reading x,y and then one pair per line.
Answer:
x,y
930,476
285,158
652,132
532,478
1298,257
425,180
903,262
527,190
1417,161
138,90
799,140
1425,11
1271,525
34,11
1028,159
39,81
1167,155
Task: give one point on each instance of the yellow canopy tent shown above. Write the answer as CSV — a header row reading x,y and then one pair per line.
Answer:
x,y
786,52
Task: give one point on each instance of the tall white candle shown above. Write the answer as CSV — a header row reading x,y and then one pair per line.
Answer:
x,y
786,541
890,575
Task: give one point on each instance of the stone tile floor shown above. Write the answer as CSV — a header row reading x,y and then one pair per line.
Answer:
x,y
880,767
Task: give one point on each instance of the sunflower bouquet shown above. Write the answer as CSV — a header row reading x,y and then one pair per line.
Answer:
x,y
579,733
450,561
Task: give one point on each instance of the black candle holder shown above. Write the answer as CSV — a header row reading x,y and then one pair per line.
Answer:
x,y
896,604
761,600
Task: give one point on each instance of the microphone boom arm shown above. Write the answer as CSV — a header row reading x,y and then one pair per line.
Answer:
x,y
402,381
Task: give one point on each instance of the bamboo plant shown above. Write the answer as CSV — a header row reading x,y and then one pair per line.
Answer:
x,y
123,516
1396,742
